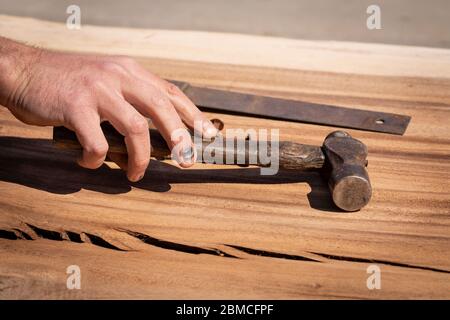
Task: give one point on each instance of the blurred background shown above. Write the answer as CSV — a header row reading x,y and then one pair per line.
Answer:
x,y
407,22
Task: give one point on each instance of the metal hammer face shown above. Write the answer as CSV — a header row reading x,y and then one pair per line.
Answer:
x,y
345,170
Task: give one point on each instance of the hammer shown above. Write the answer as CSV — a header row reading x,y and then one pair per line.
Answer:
x,y
341,159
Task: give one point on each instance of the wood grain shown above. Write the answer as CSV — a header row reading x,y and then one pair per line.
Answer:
x,y
227,232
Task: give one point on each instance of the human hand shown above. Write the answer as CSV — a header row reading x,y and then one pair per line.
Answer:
x,y
80,91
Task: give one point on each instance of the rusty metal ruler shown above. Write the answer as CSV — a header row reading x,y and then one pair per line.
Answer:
x,y
294,110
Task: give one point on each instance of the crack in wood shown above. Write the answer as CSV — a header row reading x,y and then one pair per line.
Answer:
x,y
390,263
18,234
22,235
10,235
84,237
46,234
100,242
176,246
270,254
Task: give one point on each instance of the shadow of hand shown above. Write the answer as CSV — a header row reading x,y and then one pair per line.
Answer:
x,y
36,163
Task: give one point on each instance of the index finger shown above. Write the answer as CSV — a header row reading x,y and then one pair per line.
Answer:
x,y
185,108
151,102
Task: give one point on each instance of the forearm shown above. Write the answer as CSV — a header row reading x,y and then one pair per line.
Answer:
x,y
16,62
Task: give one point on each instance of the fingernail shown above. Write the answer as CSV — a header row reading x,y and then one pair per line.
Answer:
x,y
136,178
187,154
209,131
180,135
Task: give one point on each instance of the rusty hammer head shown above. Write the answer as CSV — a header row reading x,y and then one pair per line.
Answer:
x,y
345,171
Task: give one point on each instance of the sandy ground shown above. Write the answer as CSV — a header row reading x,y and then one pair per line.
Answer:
x,y
409,22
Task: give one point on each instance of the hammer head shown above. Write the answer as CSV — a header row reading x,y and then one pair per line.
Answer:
x,y
345,170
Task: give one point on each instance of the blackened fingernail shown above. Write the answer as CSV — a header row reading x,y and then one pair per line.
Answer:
x,y
187,154
217,123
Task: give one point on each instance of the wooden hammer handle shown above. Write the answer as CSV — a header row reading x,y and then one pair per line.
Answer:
x,y
66,139
289,155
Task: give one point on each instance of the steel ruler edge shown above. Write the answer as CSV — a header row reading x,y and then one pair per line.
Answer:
x,y
294,110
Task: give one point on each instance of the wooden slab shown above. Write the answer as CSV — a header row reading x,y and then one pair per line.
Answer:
x,y
227,232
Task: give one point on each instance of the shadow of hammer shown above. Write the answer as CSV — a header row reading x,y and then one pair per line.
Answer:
x,y
341,159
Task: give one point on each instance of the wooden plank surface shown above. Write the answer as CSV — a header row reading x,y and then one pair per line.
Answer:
x,y
227,232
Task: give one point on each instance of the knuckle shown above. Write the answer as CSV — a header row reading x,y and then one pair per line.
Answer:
x,y
112,67
78,100
173,89
100,88
161,101
91,81
126,61
97,150
138,125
